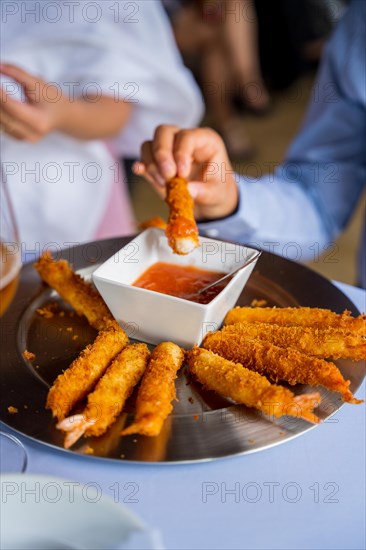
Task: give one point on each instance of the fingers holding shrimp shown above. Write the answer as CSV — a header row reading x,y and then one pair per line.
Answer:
x,y
198,155
157,163
162,148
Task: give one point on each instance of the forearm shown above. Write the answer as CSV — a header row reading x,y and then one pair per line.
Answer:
x,y
97,118
275,216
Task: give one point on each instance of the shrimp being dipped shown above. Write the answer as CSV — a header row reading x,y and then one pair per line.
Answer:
x,y
335,343
298,316
79,379
157,390
278,363
181,230
82,296
249,388
107,400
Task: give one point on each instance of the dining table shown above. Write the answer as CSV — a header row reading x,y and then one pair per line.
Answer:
x,y
306,493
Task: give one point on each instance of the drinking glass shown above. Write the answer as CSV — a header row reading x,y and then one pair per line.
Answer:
x,y
9,247
13,456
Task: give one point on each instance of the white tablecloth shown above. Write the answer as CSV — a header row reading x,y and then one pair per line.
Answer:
x,y
308,493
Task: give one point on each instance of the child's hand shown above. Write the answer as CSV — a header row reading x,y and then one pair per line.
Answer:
x,y
39,115
198,155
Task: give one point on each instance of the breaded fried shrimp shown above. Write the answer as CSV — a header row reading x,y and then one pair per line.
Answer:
x,y
249,388
181,230
82,296
335,343
157,390
107,400
297,316
79,379
278,363
156,221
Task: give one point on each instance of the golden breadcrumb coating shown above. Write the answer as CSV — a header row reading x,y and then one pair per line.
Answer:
x,y
278,363
107,400
298,316
156,221
157,390
249,388
82,296
181,229
336,343
79,379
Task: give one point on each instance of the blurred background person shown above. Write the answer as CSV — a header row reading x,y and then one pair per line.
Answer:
x,y
219,42
70,80
240,49
292,35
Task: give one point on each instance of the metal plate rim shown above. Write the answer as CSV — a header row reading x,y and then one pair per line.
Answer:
x,y
108,247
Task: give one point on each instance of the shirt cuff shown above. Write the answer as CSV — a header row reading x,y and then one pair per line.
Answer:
x,y
233,227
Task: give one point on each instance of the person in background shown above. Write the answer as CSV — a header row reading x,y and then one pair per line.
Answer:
x,y
71,80
219,41
312,195
292,36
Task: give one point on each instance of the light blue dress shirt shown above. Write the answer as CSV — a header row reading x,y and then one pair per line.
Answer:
x,y
300,210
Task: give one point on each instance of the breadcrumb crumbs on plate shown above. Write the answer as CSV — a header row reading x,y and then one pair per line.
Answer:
x,y
258,303
12,410
49,310
44,312
88,450
29,355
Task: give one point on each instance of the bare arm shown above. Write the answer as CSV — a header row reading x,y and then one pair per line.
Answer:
x,y
83,118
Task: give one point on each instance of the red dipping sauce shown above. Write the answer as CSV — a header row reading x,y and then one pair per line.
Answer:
x,y
181,281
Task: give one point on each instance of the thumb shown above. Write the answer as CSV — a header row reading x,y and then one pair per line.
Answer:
x,y
201,193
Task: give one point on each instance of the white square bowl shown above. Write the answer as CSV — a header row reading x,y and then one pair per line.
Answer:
x,y
154,317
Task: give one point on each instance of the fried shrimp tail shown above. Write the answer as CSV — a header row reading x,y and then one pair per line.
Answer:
x,y
79,379
249,388
298,316
157,390
82,296
107,400
335,343
278,363
75,427
181,230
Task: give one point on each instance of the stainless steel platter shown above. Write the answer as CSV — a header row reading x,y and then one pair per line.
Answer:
x,y
202,426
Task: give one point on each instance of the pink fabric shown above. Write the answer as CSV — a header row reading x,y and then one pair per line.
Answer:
x,y
118,219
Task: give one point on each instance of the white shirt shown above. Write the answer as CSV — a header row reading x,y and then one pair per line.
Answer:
x,y
60,187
